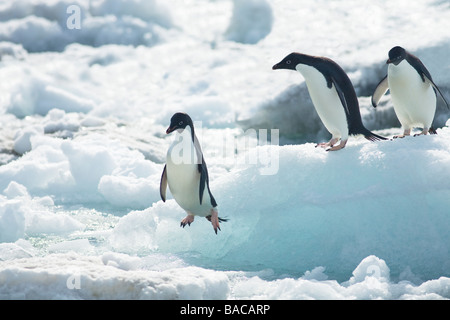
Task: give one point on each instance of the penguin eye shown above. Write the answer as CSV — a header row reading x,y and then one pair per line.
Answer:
x,y
180,123
288,62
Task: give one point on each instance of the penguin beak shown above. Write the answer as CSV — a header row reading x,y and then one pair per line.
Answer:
x,y
170,129
283,65
396,62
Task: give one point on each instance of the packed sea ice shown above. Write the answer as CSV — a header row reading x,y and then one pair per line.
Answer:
x,y
83,114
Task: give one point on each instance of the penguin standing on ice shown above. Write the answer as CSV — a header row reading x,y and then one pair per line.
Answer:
x,y
187,175
412,90
333,96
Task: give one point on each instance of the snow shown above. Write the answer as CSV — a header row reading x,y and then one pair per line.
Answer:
x,y
73,276
83,114
251,21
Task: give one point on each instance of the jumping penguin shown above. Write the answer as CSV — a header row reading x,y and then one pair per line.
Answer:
x,y
187,175
333,96
412,90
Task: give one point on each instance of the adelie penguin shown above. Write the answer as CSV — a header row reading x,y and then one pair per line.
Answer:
x,y
187,175
412,90
333,96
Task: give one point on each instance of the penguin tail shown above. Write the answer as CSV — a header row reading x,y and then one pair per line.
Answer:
x,y
432,131
220,219
374,137
370,135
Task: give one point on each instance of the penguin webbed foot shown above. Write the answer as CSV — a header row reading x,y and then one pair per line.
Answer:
x,y
328,144
338,147
322,145
187,221
425,131
214,219
406,133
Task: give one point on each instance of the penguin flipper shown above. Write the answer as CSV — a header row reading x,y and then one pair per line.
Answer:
x,y
203,178
425,74
341,95
204,182
203,170
163,185
436,89
380,90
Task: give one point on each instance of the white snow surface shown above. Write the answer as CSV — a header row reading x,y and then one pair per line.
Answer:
x,y
83,114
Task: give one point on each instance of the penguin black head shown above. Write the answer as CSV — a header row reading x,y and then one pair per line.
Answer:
x,y
396,55
289,62
179,121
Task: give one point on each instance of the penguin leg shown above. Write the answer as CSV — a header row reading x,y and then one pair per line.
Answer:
x,y
214,218
406,132
187,221
339,146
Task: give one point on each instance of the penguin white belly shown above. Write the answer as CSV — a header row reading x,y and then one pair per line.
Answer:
x,y
183,179
326,102
414,100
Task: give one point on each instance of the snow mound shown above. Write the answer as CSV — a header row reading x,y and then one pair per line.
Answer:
x,y
72,276
389,199
117,276
251,21
21,214
36,94
59,23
